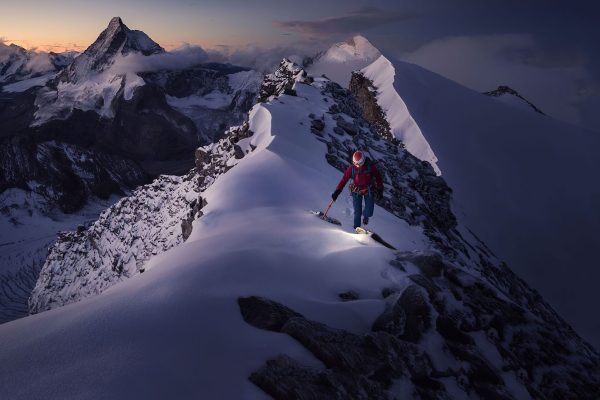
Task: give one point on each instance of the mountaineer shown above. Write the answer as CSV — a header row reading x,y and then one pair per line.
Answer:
x,y
366,184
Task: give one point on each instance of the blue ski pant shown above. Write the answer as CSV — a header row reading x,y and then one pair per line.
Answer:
x,y
357,201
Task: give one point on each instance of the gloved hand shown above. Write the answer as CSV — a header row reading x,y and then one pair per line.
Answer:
x,y
335,194
379,194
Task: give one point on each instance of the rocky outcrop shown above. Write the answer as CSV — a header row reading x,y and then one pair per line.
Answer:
x,y
507,90
366,95
65,175
281,81
152,220
492,347
87,261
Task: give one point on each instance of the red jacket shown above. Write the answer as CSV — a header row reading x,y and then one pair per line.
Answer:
x,y
362,178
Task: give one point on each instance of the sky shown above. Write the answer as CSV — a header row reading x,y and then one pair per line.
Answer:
x,y
548,50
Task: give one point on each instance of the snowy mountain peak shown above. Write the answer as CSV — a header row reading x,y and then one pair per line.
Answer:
x,y
116,39
338,62
358,47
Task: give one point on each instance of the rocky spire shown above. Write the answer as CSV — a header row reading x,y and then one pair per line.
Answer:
x,y
116,39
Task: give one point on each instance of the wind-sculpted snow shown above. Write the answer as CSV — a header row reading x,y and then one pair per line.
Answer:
x,y
380,84
155,218
263,297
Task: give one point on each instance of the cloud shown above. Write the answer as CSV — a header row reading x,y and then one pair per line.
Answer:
x,y
183,57
551,80
349,23
34,62
262,59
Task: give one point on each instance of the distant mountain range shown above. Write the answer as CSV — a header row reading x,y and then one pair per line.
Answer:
x,y
76,133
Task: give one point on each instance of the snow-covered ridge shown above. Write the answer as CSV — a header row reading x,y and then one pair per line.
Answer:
x,y
402,126
338,314
357,64
116,246
152,220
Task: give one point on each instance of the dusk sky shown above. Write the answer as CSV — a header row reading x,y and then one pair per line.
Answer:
x,y
547,50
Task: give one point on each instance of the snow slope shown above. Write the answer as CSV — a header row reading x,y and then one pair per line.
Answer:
x,y
402,125
255,237
176,330
526,183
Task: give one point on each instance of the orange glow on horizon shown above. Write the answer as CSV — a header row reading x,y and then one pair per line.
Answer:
x,y
59,48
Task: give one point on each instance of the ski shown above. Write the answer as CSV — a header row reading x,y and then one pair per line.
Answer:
x,y
362,231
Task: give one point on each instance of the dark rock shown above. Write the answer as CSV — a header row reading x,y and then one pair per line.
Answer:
x,y
503,90
387,292
338,130
431,265
349,296
448,329
281,81
364,91
265,314
317,125
407,317
238,152
285,379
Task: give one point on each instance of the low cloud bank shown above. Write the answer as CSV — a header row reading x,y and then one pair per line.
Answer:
x,y
261,59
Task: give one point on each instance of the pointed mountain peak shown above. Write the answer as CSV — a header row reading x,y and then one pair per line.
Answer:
x,y
117,39
116,21
353,49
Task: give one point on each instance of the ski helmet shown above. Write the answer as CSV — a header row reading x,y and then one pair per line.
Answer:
x,y
358,158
